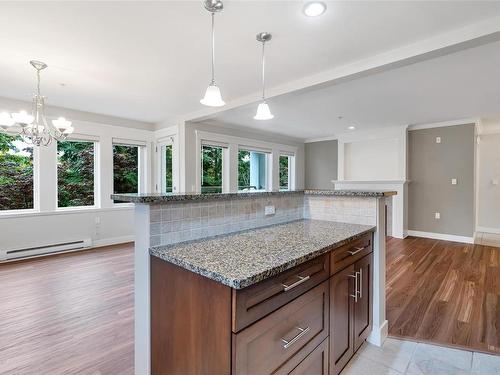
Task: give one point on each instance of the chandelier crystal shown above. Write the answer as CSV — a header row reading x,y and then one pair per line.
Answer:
x,y
35,129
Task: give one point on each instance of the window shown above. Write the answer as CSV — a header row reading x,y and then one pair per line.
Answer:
x,y
167,168
252,170
211,169
75,173
125,169
16,173
285,172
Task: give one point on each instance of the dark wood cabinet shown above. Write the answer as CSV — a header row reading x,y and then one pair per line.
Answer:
x,y
341,319
350,311
362,308
309,319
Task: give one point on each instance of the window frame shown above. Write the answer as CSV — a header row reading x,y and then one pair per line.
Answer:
x,y
97,198
225,165
268,163
291,170
36,183
140,166
160,187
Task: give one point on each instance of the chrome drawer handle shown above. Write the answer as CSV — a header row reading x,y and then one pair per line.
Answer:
x,y
355,295
303,331
301,280
360,291
358,249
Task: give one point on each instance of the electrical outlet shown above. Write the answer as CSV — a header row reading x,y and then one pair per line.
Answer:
x,y
453,181
438,139
494,181
97,220
437,215
269,210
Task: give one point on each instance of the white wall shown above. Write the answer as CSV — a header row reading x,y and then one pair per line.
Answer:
x,y
488,165
106,223
373,155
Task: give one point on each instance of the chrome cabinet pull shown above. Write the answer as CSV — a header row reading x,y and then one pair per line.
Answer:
x,y
303,331
301,280
360,283
355,295
358,249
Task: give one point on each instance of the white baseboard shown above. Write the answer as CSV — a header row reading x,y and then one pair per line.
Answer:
x,y
112,241
488,230
441,236
379,334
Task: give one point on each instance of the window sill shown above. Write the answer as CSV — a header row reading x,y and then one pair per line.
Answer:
x,y
63,211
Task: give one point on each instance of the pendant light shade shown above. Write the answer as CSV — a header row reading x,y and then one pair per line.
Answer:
x,y
213,97
263,111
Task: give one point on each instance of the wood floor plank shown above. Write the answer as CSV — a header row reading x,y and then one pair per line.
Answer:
x,y
68,314
444,292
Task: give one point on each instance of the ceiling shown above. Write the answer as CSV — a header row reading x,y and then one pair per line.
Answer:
x,y
149,61
455,86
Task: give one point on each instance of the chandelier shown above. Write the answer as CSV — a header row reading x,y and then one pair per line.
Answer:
x,y
34,127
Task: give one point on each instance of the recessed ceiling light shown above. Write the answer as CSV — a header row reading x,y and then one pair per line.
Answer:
x,y
351,127
314,8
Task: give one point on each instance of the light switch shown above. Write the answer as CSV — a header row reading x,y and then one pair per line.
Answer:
x,y
437,215
494,181
438,139
453,181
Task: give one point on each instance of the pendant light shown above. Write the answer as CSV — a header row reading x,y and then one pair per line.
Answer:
x,y
263,111
213,96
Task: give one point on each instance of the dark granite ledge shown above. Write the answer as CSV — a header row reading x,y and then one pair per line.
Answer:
x,y
352,193
152,198
241,259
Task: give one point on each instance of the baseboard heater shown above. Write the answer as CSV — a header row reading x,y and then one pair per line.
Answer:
x,y
37,251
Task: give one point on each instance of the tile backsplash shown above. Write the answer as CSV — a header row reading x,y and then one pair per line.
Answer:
x,y
184,221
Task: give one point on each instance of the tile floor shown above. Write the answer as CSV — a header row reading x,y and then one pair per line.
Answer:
x,y
398,357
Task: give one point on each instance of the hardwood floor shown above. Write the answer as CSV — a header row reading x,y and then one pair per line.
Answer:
x,y
68,314
444,292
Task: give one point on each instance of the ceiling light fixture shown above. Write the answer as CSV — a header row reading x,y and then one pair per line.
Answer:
x,y
314,8
34,127
213,97
352,127
263,111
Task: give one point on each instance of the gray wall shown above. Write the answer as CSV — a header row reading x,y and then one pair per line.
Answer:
x,y
321,164
431,167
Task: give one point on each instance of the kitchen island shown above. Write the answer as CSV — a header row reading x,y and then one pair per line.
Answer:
x,y
285,231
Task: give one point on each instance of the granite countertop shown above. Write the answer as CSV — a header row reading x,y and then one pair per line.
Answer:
x,y
244,258
152,198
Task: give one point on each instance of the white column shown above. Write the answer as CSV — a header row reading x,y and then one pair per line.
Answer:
x,y
46,177
380,326
141,291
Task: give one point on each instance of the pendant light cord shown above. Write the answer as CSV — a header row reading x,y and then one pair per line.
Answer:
x,y
263,72
213,49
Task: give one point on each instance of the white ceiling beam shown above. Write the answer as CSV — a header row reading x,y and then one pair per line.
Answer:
x,y
466,37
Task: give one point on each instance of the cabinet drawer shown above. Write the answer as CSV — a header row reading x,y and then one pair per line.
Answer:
x,y
297,327
252,303
348,254
316,363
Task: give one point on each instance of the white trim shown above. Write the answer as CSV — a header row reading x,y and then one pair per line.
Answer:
x,y
441,236
66,210
378,335
382,182
112,241
465,121
487,230
128,142
321,139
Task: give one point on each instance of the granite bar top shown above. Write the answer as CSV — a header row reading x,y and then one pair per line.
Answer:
x,y
155,198
352,193
241,259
